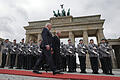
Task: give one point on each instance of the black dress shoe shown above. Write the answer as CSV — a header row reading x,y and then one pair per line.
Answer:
x,y
37,72
18,68
57,72
83,72
1,66
95,73
111,73
10,67
70,71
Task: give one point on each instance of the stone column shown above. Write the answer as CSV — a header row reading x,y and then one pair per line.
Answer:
x,y
100,35
113,57
39,37
85,37
85,40
30,37
71,36
27,38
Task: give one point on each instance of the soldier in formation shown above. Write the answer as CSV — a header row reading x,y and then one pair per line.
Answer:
x,y
93,54
5,49
105,57
82,51
71,56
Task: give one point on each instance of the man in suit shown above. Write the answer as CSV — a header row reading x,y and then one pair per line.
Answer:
x,y
56,49
47,47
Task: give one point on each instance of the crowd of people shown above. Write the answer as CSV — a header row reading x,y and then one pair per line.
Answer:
x,y
50,54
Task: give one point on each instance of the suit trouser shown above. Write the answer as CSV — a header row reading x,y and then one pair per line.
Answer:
x,y
12,60
82,60
94,64
57,60
49,60
4,56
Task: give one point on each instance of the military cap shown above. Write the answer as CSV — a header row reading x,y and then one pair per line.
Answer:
x,y
91,40
81,40
69,39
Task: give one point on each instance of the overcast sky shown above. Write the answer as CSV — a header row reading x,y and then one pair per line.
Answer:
x,y
14,14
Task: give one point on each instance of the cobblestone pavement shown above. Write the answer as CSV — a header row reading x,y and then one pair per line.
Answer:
x,y
89,72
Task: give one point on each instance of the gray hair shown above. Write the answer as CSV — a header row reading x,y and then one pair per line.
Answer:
x,y
47,24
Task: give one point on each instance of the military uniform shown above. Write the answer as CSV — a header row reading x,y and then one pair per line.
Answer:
x,y
63,52
105,59
25,56
13,52
82,51
93,54
29,56
20,56
5,48
71,57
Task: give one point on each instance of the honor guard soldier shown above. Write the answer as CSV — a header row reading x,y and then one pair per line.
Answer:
x,y
38,50
63,52
30,53
106,62
71,57
20,56
5,47
13,52
35,53
93,54
25,56
82,51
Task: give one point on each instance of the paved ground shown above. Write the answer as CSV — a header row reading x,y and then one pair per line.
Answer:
x,y
89,72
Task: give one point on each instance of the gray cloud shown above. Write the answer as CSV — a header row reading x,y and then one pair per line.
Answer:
x,y
14,14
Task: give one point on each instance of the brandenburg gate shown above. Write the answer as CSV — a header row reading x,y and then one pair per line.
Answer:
x,y
70,27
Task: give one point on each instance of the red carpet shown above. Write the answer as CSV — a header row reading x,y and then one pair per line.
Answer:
x,y
59,76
